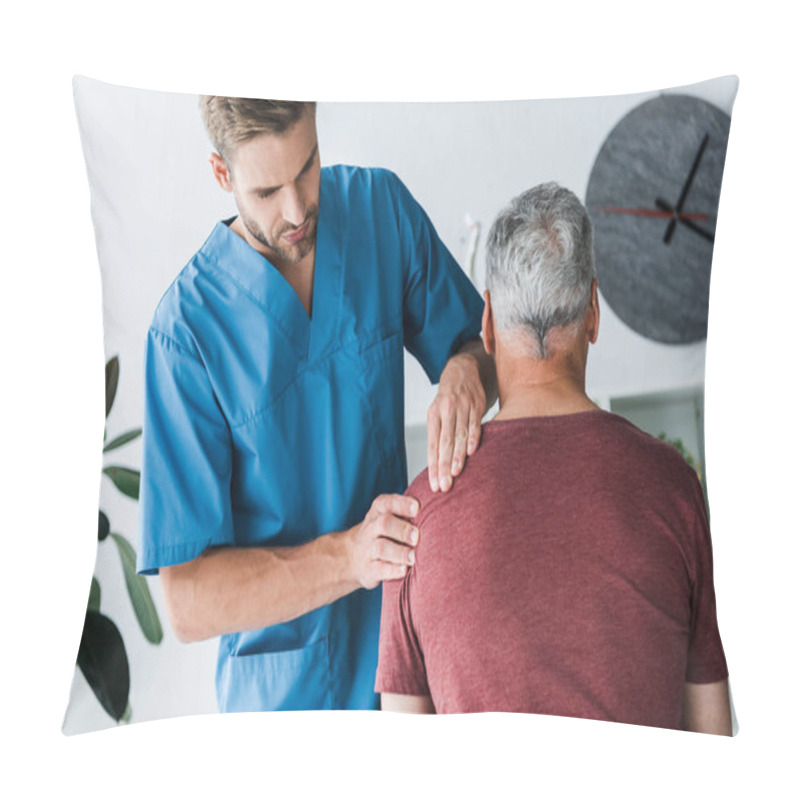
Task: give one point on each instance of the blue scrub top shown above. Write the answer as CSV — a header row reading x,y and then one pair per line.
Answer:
x,y
265,427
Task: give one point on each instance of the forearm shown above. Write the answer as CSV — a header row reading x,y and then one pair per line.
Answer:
x,y
407,703
707,708
227,590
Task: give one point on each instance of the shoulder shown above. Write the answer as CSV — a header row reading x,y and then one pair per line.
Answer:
x,y
184,303
650,453
420,490
374,193
367,184
433,506
440,511
365,177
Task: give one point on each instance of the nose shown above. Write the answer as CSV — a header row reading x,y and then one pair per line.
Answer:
x,y
294,209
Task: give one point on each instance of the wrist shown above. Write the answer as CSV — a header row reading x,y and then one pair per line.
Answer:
x,y
343,545
485,370
463,365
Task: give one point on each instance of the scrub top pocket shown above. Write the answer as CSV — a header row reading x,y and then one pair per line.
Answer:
x,y
287,680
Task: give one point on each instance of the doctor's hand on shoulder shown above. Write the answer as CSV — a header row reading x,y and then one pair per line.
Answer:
x,y
381,547
467,389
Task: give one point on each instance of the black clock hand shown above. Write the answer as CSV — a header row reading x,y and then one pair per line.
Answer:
x,y
684,218
689,180
685,191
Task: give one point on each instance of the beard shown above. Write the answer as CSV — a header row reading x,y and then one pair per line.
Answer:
x,y
286,253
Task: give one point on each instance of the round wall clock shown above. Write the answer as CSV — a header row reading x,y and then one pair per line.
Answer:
x,y
652,196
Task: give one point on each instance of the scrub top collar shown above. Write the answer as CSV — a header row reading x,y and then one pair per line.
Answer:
x,y
264,283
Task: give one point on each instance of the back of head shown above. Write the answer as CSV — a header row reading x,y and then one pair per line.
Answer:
x,y
231,121
540,266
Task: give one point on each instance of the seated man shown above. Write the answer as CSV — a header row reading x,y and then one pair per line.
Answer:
x,y
568,571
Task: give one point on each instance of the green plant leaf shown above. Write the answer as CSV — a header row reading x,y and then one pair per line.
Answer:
x,y
681,448
125,479
103,527
124,439
94,596
126,717
139,592
104,663
112,380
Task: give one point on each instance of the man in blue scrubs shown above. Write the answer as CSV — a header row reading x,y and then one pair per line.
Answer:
x,y
273,444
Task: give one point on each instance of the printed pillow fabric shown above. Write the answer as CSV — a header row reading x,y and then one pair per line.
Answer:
x,y
275,438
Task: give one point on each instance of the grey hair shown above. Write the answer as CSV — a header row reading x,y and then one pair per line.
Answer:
x,y
540,265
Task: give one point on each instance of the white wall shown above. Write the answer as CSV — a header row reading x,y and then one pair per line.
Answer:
x,y
149,152
472,158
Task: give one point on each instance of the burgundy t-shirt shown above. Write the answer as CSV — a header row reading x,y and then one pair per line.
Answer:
x,y
568,571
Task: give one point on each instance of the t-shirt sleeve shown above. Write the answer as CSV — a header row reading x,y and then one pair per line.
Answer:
x,y
441,307
184,500
706,659
401,667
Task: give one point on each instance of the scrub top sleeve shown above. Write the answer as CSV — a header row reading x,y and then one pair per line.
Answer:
x,y
184,501
441,308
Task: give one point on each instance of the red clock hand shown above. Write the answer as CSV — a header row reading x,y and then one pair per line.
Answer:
x,y
678,216
651,212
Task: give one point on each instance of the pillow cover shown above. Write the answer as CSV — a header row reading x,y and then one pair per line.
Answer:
x,y
649,168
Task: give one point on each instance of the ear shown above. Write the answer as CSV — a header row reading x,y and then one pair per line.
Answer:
x,y
221,172
487,325
593,315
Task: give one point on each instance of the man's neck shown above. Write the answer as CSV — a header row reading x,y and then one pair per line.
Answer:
x,y
542,388
299,275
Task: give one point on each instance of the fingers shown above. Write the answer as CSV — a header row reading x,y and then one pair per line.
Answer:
x,y
395,529
446,445
447,436
392,552
454,432
474,434
390,559
385,571
450,450
459,443
397,505
386,542
434,430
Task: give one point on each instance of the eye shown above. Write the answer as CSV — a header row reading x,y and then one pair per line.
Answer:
x,y
308,165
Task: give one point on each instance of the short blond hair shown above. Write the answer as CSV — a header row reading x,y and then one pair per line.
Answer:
x,y
230,121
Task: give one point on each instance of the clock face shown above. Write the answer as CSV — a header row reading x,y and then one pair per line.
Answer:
x,y
652,196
